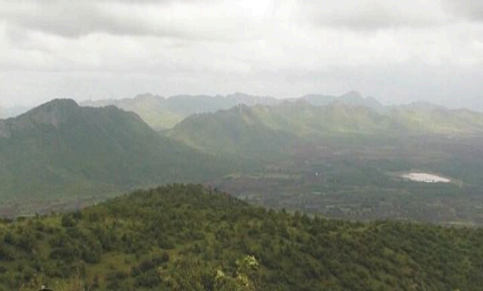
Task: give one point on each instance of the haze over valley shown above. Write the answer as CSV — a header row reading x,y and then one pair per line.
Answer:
x,y
309,159
336,156
253,145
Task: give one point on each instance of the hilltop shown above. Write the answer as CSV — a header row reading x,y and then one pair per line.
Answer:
x,y
191,238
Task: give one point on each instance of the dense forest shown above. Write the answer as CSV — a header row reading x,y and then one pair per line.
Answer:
x,y
187,237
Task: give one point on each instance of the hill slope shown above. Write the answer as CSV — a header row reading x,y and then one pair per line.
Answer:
x,y
261,129
246,129
62,150
239,131
347,161
181,237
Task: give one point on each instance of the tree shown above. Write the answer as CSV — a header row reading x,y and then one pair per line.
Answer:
x,y
246,278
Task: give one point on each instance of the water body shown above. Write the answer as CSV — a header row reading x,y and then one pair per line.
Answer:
x,y
425,177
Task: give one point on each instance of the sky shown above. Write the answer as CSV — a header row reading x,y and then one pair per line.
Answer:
x,y
396,51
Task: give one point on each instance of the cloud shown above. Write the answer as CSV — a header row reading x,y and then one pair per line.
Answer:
x,y
210,20
369,15
285,48
73,19
466,9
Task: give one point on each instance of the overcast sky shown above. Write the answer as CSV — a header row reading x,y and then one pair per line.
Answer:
x,y
397,51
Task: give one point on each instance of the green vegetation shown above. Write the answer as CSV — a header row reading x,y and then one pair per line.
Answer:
x,y
262,128
340,159
190,238
237,132
62,151
343,160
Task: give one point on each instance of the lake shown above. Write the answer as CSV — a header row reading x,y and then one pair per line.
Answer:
x,y
425,177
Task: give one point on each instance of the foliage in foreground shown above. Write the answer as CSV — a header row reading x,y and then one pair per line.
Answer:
x,y
190,238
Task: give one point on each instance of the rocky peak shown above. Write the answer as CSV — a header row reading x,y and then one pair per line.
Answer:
x,y
52,113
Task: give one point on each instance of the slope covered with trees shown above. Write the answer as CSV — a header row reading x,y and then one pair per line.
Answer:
x,y
61,150
191,238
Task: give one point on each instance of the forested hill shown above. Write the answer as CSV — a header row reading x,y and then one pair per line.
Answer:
x,y
266,129
191,238
62,150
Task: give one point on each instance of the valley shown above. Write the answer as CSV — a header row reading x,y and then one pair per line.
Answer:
x,y
338,157
180,145
365,183
291,196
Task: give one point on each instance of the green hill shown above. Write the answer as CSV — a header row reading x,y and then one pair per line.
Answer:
x,y
190,238
427,118
61,150
240,131
263,128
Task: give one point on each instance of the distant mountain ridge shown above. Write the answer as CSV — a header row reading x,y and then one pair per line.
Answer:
x,y
353,98
164,113
161,113
60,150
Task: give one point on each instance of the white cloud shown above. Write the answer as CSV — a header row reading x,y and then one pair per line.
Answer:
x,y
375,14
268,47
465,9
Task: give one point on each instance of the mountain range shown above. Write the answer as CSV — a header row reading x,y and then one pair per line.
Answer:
x,y
268,129
342,157
164,113
61,153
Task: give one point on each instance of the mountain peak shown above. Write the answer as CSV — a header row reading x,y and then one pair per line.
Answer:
x,y
57,103
51,113
351,96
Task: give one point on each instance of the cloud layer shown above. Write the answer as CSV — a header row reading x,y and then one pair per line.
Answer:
x,y
398,51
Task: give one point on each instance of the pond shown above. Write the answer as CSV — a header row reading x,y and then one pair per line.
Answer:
x,y
425,177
